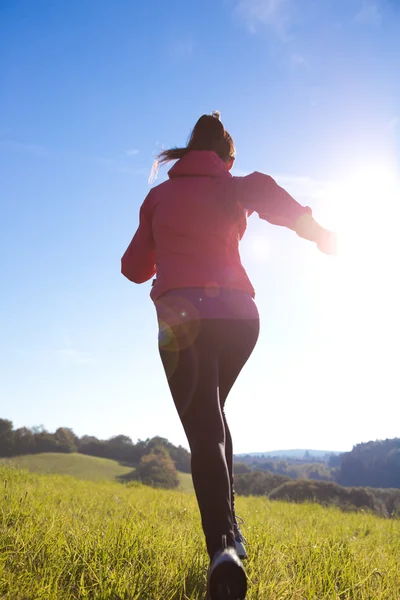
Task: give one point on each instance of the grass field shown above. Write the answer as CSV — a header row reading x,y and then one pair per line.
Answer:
x,y
81,466
77,465
65,538
185,482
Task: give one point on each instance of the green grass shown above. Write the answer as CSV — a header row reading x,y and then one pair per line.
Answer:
x,y
81,466
77,465
185,482
65,538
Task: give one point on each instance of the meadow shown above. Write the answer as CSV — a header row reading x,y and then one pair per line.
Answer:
x,y
64,537
91,468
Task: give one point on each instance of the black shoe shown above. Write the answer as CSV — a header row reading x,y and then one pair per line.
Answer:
x,y
226,575
240,540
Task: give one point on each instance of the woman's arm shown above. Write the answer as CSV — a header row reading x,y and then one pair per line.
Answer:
x,y
260,193
138,262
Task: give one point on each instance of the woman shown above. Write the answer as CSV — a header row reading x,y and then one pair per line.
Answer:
x,y
188,237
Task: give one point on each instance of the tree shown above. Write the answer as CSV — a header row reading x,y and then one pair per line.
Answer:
x,y
157,470
334,460
46,442
328,492
267,465
24,441
181,458
66,440
240,468
6,438
393,467
373,464
88,444
120,448
179,455
257,483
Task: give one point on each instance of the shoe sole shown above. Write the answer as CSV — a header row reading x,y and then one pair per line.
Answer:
x,y
228,582
241,550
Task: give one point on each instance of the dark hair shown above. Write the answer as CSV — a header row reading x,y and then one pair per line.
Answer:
x,y
207,134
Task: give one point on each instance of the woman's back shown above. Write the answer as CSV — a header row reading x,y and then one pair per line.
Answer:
x,y
196,225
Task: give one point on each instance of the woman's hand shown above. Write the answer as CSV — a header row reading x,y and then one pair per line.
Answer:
x,y
327,241
308,228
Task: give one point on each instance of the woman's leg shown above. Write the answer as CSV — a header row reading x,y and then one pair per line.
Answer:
x,y
190,358
240,340
202,359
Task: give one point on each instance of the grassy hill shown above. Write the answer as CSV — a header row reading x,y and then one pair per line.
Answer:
x,y
62,537
81,466
185,482
77,465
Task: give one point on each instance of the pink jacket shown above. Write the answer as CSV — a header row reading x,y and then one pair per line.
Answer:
x,y
190,225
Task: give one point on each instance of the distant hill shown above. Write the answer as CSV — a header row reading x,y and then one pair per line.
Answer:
x,y
80,466
296,453
77,465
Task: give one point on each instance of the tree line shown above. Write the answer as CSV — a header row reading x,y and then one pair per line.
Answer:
x,y
374,464
290,467
383,502
154,461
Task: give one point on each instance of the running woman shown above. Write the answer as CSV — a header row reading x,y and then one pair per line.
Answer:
x,y
188,239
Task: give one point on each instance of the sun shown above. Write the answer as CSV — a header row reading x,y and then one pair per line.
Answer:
x,y
369,206
359,292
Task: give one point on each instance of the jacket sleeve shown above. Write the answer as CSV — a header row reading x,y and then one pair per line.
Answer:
x,y
260,193
138,262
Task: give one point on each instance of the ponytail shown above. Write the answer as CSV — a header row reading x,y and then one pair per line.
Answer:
x,y
208,134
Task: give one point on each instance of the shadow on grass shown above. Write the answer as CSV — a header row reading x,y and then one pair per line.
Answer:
x,y
127,477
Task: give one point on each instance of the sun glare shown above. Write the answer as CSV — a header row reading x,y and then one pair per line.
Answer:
x,y
368,206
260,247
359,291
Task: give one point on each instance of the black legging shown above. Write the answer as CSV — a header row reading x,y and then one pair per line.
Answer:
x,y
202,360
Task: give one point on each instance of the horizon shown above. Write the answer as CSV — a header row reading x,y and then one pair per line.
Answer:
x,y
311,95
246,452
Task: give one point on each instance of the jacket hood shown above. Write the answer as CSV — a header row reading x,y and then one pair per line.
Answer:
x,y
201,163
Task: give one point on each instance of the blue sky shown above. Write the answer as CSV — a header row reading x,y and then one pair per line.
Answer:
x,y
89,93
